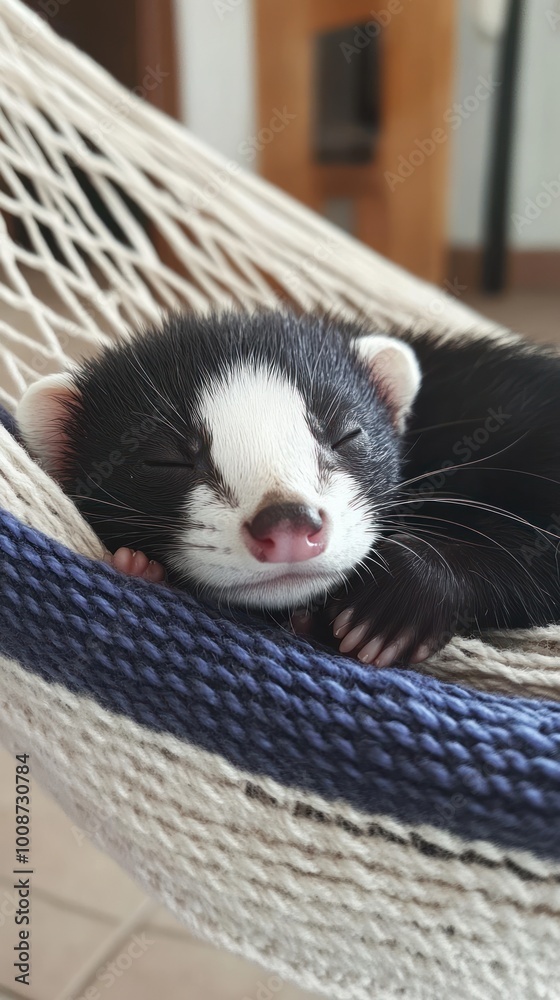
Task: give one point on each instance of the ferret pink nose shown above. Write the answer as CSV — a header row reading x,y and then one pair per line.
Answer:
x,y
286,533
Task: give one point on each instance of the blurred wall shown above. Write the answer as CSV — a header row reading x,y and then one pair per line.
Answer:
x,y
215,55
536,168
470,141
215,46
537,153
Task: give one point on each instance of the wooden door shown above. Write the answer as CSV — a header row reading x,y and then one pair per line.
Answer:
x,y
399,198
129,38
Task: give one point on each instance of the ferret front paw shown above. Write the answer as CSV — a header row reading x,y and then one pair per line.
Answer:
x,y
379,650
136,564
405,612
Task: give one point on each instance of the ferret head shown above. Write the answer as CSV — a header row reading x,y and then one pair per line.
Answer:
x,y
249,454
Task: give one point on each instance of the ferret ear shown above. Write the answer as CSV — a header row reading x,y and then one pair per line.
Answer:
x,y
394,370
42,415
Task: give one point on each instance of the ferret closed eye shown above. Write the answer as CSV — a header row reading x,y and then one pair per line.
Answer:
x,y
396,486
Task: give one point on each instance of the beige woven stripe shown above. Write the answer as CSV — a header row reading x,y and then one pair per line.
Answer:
x,y
356,915
524,663
33,497
314,901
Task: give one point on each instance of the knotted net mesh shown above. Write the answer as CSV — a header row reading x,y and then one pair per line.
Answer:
x,y
110,212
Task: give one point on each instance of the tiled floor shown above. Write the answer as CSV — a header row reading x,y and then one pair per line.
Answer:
x,y
87,913
535,314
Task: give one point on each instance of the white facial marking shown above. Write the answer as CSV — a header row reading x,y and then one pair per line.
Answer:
x,y
260,437
262,444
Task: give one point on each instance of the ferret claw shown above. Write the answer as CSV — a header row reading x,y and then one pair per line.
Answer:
x,y
421,653
343,623
377,651
354,637
392,652
371,650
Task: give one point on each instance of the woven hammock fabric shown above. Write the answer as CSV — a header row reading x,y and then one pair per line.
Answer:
x,y
369,834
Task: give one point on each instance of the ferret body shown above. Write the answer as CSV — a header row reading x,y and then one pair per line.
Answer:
x,y
405,489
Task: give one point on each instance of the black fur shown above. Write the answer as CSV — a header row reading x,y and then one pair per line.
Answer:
x,y
469,548
482,535
137,406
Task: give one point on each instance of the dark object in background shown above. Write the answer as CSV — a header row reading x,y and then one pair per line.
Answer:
x,y
126,38
134,41
384,201
346,97
495,244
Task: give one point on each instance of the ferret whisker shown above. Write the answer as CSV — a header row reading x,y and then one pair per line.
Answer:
x,y
407,529
117,502
521,472
158,417
143,374
485,508
125,522
488,538
376,557
363,564
451,423
395,541
105,503
461,465
247,415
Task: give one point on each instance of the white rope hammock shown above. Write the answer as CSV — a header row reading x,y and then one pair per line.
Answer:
x,y
109,213
74,281
234,238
